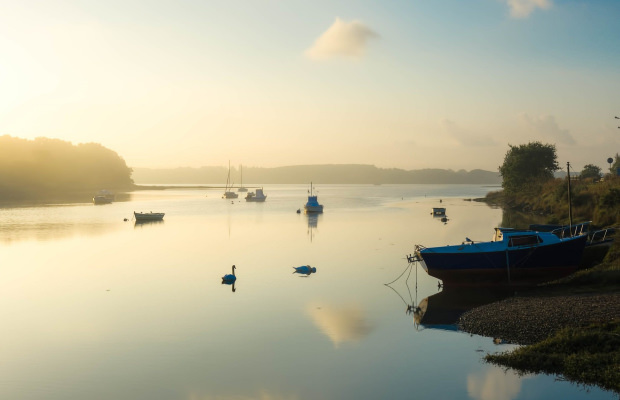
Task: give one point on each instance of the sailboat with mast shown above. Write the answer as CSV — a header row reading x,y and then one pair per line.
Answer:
x,y
241,188
228,193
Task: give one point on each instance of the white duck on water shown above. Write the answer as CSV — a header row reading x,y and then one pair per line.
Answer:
x,y
305,269
230,278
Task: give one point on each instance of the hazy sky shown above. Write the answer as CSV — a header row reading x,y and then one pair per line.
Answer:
x,y
406,84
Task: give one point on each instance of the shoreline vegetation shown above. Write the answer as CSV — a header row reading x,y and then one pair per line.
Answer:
x,y
569,327
53,169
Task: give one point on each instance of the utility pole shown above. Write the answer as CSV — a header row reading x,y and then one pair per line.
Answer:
x,y
570,206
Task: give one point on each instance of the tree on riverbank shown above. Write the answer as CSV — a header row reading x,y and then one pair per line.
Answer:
x,y
590,171
526,167
31,169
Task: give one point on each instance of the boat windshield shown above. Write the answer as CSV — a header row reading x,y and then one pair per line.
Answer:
x,y
524,240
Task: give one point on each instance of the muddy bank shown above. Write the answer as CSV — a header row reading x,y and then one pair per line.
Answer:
x,y
532,318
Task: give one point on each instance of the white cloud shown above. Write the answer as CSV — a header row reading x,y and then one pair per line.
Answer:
x,y
342,39
465,137
523,8
547,128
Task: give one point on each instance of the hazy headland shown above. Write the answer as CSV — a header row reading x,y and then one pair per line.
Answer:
x,y
326,174
53,169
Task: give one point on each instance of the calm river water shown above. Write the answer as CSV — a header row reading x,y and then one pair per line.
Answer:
x,y
95,307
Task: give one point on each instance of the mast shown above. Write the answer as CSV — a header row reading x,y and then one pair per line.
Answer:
x,y
570,205
228,176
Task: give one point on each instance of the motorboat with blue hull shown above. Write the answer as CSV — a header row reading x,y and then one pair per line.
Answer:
x,y
514,257
312,205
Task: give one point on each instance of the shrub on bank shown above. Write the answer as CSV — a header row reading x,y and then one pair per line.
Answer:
x,y
589,355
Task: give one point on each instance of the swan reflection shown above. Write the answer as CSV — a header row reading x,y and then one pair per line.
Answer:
x,y
231,284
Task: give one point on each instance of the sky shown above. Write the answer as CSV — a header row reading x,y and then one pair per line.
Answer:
x,y
408,84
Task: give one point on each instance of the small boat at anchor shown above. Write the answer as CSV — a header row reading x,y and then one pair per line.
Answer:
x,y
228,193
101,200
257,196
103,197
514,257
149,216
312,205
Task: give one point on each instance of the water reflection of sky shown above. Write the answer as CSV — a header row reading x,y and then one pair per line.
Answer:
x,y
341,324
125,313
494,384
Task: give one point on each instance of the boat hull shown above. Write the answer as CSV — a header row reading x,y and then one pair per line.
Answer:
x,y
456,266
101,200
313,209
230,195
257,197
148,216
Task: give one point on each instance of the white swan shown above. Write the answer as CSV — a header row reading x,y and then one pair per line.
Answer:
x,y
229,278
305,269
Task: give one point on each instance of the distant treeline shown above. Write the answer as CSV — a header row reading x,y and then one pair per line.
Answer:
x,y
331,173
36,169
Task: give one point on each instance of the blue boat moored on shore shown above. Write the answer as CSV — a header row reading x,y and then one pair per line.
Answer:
x,y
514,257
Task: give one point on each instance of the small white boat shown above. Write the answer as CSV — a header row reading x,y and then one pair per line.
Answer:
x,y
103,197
312,205
149,216
259,196
101,200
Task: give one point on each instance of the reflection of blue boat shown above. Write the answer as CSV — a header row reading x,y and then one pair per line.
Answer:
x,y
513,257
443,310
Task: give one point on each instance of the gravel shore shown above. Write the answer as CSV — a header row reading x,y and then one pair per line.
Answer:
x,y
530,319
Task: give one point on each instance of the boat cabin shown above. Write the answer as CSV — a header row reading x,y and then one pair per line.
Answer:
x,y
439,211
517,237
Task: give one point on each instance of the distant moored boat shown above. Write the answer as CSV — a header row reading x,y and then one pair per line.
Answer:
x,y
259,196
312,205
149,216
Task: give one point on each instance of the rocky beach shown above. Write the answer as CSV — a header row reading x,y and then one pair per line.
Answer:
x,y
529,319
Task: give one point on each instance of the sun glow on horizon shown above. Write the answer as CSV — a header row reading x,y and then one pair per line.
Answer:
x,y
399,85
